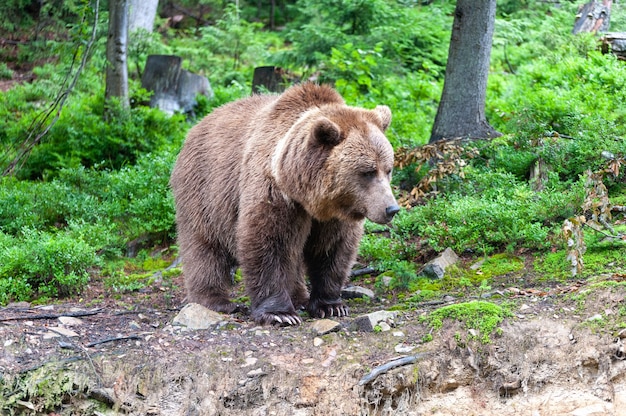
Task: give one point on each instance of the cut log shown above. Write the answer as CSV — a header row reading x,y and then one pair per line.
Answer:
x,y
174,89
268,78
593,17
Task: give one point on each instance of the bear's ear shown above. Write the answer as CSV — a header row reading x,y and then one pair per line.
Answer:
x,y
326,133
384,113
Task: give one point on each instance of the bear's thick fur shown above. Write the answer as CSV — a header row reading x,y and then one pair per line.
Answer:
x,y
280,185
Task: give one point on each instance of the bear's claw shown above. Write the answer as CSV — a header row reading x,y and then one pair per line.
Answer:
x,y
280,319
332,310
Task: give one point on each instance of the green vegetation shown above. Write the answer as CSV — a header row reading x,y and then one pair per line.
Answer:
x,y
94,192
483,317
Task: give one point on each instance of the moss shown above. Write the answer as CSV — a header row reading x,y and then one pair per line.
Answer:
x,y
498,265
478,315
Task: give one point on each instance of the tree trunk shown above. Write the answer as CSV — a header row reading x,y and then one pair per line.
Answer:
x,y
593,17
117,70
461,111
142,15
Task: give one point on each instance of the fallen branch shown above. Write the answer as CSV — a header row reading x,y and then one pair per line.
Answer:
x,y
104,341
52,316
382,369
361,272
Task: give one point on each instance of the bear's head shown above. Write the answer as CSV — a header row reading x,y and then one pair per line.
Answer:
x,y
336,162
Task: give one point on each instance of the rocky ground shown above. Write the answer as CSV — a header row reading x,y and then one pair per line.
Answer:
x,y
560,353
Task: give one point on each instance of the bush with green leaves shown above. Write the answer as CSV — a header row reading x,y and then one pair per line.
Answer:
x,y
38,263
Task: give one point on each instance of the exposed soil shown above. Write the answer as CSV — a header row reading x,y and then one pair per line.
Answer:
x,y
550,359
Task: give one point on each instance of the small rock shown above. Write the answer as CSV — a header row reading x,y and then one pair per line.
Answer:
x,y
63,331
134,325
195,316
436,268
352,292
596,317
8,343
250,361
368,322
255,373
317,341
397,333
384,326
70,321
325,326
386,280
308,361
50,335
477,265
403,348
524,307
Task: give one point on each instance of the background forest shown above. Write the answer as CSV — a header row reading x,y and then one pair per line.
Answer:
x,y
92,200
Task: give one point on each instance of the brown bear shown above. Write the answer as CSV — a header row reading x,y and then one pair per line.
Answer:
x,y
280,185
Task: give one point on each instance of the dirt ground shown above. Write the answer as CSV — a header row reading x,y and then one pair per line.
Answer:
x,y
559,354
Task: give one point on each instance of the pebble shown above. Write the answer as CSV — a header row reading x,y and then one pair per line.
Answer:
x,y
250,361
70,321
317,341
255,373
325,326
308,361
402,348
397,333
384,326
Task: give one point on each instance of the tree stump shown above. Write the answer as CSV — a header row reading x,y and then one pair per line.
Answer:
x,y
593,17
268,78
174,89
614,43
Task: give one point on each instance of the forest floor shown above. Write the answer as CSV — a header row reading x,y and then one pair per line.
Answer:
x,y
561,352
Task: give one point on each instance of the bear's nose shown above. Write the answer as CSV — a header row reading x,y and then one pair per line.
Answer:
x,y
392,210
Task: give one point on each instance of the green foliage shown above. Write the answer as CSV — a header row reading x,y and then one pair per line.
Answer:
x,y
478,315
81,137
44,264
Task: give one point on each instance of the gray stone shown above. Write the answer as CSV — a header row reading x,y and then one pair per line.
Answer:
x,y
194,316
386,280
352,292
436,268
63,331
70,321
325,326
368,322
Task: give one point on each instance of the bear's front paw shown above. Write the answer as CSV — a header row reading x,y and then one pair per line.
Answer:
x,y
324,310
279,318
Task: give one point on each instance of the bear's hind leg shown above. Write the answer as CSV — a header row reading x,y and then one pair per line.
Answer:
x,y
207,268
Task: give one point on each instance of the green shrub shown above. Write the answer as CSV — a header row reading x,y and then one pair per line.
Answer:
x,y
44,264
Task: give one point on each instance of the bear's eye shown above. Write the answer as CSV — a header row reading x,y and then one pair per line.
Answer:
x,y
369,174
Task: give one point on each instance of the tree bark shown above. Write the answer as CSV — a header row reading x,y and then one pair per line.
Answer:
x,y
593,17
117,40
142,15
461,111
